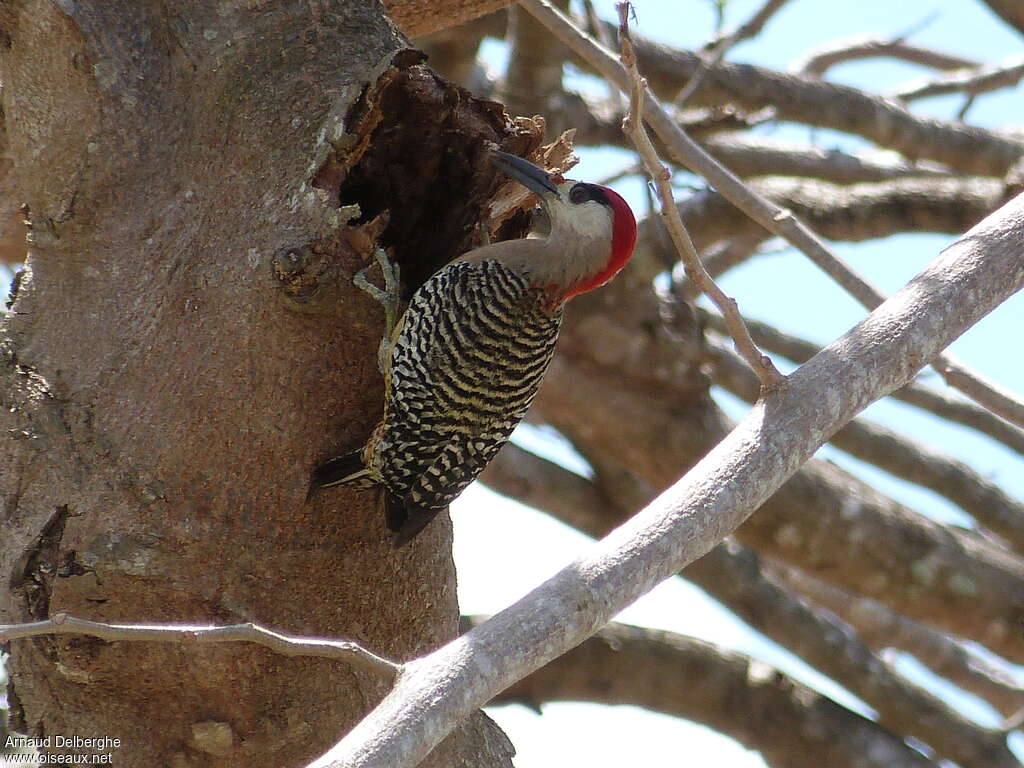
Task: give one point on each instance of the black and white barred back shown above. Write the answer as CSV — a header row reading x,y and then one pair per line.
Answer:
x,y
473,348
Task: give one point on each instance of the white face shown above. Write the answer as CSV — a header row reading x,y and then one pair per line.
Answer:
x,y
579,213
581,232
568,248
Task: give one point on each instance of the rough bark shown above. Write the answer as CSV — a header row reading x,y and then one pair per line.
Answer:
x,y
187,345
12,230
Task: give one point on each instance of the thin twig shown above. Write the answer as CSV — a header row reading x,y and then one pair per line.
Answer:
x,y
970,81
286,645
773,218
722,45
998,400
633,127
961,113
819,62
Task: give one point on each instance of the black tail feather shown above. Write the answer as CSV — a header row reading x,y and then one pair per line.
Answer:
x,y
394,511
336,471
405,519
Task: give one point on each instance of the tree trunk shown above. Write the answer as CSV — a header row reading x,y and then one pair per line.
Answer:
x,y
186,345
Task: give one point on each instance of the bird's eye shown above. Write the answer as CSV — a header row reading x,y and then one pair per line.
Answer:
x,y
579,194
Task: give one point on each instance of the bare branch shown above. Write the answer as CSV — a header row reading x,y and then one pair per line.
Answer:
x,y
991,395
286,645
974,81
776,220
633,127
837,528
823,520
438,691
847,213
819,62
791,725
985,501
798,99
726,574
599,123
628,390
755,156
880,627
734,576
962,412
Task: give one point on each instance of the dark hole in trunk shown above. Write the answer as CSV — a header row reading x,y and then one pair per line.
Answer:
x,y
426,163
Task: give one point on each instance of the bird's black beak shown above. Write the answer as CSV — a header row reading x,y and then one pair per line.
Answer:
x,y
526,173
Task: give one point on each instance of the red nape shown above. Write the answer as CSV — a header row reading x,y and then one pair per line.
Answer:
x,y
623,240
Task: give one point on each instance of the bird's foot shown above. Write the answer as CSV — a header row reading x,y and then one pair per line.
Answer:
x,y
389,297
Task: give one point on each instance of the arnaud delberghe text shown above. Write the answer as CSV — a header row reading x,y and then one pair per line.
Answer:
x,y
54,741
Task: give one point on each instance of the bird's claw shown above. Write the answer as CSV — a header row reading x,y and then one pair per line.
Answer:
x,y
391,281
389,296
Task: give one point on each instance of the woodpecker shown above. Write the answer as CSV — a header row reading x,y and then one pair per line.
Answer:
x,y
463,363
